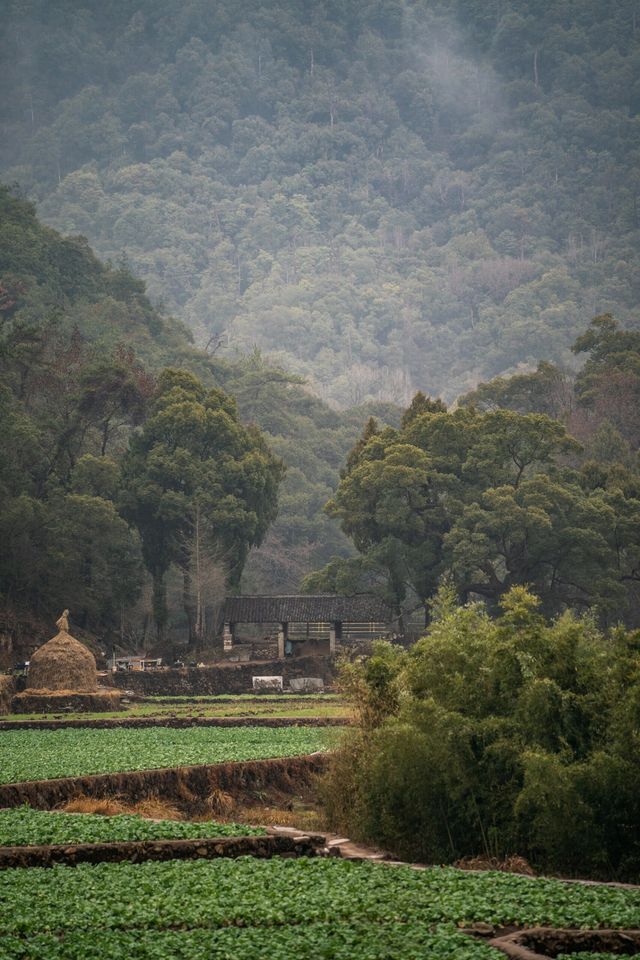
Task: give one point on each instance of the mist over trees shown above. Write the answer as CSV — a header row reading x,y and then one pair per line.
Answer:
x,y
384,196
342,203
110,464
130,454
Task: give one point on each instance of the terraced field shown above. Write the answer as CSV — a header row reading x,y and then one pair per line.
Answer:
x,y
23,826
244,908
47,754
282,705
278,909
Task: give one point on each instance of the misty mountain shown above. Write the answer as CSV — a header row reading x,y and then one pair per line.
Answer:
x,y
382,196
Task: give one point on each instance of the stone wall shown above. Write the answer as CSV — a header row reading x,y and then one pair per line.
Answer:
x,y
138,851
223,678
43,701
7,690
188,787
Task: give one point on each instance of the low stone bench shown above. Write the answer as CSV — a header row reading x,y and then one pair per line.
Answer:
x,y
307,685
268,684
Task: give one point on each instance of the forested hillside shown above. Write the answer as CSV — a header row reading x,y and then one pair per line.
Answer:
x,y
116,471
384,196
498,493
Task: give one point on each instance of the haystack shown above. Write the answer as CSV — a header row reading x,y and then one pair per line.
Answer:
x,y
63,663
63,676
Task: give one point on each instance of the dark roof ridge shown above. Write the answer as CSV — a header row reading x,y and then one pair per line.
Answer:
x,y
303,607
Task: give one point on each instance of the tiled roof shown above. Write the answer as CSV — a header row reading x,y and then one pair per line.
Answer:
x,y
323,608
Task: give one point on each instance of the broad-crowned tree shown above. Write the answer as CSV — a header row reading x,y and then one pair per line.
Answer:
x,y
194,457
404,491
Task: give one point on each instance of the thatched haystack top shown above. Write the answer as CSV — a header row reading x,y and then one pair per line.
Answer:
x,y
63,663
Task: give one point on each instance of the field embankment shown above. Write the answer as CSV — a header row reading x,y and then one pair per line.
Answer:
x,y
175,723
140,851
222,678
189,787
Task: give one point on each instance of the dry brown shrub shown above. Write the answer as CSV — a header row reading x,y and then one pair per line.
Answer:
x,y
513,864
155,808
220,802
106,807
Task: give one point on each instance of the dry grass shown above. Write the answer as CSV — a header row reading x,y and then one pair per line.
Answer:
x,y
220,803
221,806
152,808
107,807
513,864
302,819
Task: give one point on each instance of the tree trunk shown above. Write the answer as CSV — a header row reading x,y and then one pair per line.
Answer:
x,y
160,612
187,602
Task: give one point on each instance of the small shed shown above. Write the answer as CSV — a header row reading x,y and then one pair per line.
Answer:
x,y
137,663
305,621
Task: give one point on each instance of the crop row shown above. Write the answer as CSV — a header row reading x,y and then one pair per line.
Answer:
x,y
282,893
588,956
46,754
23,826
339,941
244,708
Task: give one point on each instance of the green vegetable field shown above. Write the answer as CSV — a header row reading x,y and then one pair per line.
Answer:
x,y
249,707
587,956
46,754
279,909
23,826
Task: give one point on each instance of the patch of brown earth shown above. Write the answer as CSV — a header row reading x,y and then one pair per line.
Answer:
x,y
513,864
542,943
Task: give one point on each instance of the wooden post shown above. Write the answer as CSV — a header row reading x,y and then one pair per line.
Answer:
x,y
332,639
282,636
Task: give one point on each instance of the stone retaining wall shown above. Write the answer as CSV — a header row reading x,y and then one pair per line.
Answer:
x,y
539,943
7,690
187,787
137,851
221,678
175,722
37,701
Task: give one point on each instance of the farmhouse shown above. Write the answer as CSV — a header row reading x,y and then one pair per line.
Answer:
x,y
306,624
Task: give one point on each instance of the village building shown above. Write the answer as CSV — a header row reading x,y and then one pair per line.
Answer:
x,y
306,624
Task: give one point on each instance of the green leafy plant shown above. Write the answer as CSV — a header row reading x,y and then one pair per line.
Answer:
x,y
45,754
23,826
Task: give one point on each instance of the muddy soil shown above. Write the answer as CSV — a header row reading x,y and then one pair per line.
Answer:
x,y
539,943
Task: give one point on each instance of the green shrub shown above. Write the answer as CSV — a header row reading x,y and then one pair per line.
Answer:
x,y
507,735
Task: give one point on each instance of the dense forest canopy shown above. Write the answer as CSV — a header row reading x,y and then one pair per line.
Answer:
x,y
109,462
340,203
529,480
383,195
